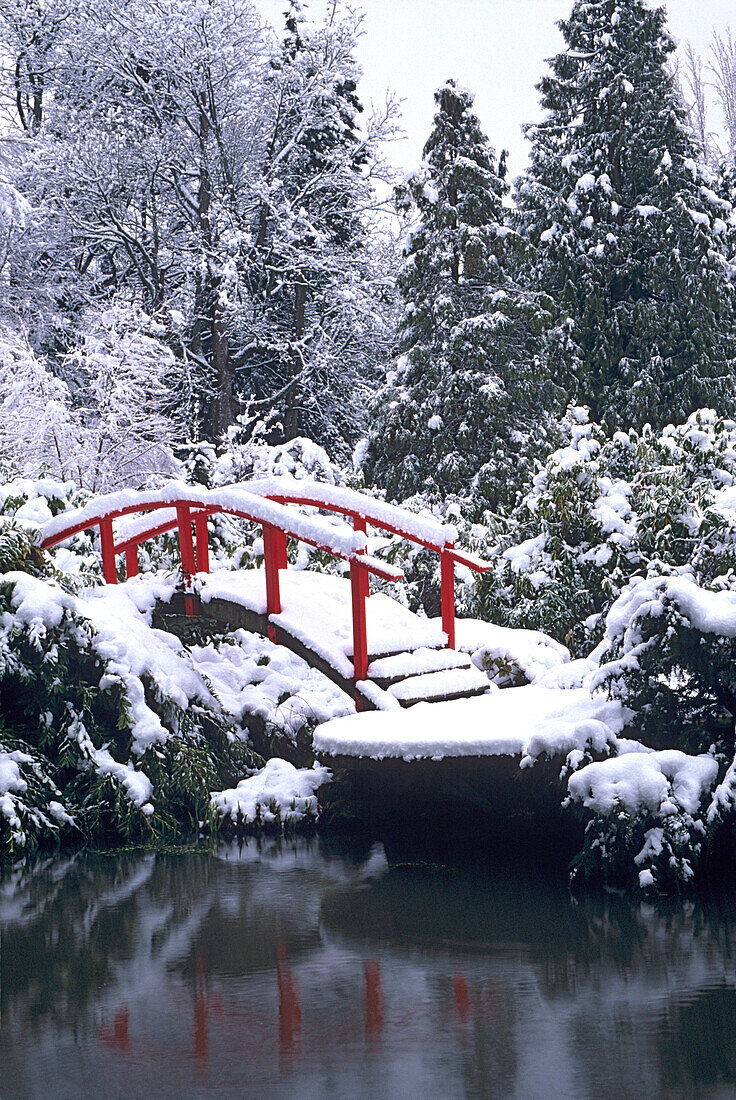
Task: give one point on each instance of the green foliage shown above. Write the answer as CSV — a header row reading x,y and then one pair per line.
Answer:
x,y
675,673
629,852
31,808
608,507
19,549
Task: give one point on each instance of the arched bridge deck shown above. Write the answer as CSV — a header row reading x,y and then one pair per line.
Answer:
x,y
367,643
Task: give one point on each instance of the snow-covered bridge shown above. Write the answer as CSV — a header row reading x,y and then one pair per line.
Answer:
x,y
370,643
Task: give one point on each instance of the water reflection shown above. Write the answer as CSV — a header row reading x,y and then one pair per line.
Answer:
x,y
299,969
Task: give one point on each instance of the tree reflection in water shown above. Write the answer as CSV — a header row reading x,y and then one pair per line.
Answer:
x,y
299,968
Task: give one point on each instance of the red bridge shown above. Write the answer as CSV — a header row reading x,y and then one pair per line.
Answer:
x,y
417,663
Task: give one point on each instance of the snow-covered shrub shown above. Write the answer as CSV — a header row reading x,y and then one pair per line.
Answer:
x,y
669,651
33,501
121,371
510,658
248,454
278,795
605,508
31,805
40,432
115,715
26,503
18,548
102,417
649,825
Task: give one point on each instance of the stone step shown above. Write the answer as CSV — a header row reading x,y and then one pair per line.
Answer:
x,y
386,671
454,683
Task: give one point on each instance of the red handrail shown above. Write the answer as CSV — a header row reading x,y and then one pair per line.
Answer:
x,y
195,552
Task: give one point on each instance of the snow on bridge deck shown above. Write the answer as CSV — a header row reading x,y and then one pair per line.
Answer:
x,y
316,609
525,722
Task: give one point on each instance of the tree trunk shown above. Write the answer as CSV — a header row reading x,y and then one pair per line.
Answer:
x,y
222,405
291,412
222,400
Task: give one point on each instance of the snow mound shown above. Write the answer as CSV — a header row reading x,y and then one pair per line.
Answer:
x,y
278,792
251,675
504,652
664,783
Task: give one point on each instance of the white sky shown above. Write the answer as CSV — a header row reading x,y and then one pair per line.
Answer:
x,y
497,48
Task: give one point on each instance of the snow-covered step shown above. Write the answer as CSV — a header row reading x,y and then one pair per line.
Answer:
x,y
376,697
453,683
389,670
381,650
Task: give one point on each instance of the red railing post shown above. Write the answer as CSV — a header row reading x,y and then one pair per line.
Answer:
x,y
186,543
131,562
273,589
447,577
107,544
186,549
359,524
203,544
278,541
360,630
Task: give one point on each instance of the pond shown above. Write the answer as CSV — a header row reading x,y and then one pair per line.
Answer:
x,y
308,968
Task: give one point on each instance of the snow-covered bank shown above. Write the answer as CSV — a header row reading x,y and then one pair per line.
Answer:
x,y
278,793
127,730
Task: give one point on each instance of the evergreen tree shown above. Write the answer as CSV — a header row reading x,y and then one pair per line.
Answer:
x,y
465,396
628,234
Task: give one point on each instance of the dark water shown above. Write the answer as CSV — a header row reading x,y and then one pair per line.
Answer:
x,y
299,970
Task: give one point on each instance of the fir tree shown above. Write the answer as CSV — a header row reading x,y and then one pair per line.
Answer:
x,y
461,404
629,235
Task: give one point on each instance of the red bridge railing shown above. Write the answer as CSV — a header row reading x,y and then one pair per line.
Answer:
x,y
265,503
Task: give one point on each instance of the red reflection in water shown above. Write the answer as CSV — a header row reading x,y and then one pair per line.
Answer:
x,y
222,1029
117,1037
462,996
205,1006
290,1009
373,1001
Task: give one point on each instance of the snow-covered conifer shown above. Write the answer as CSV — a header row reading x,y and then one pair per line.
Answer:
x,y
459,406
628,232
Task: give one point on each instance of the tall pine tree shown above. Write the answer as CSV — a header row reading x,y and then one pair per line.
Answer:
x,y
457,413
627,233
